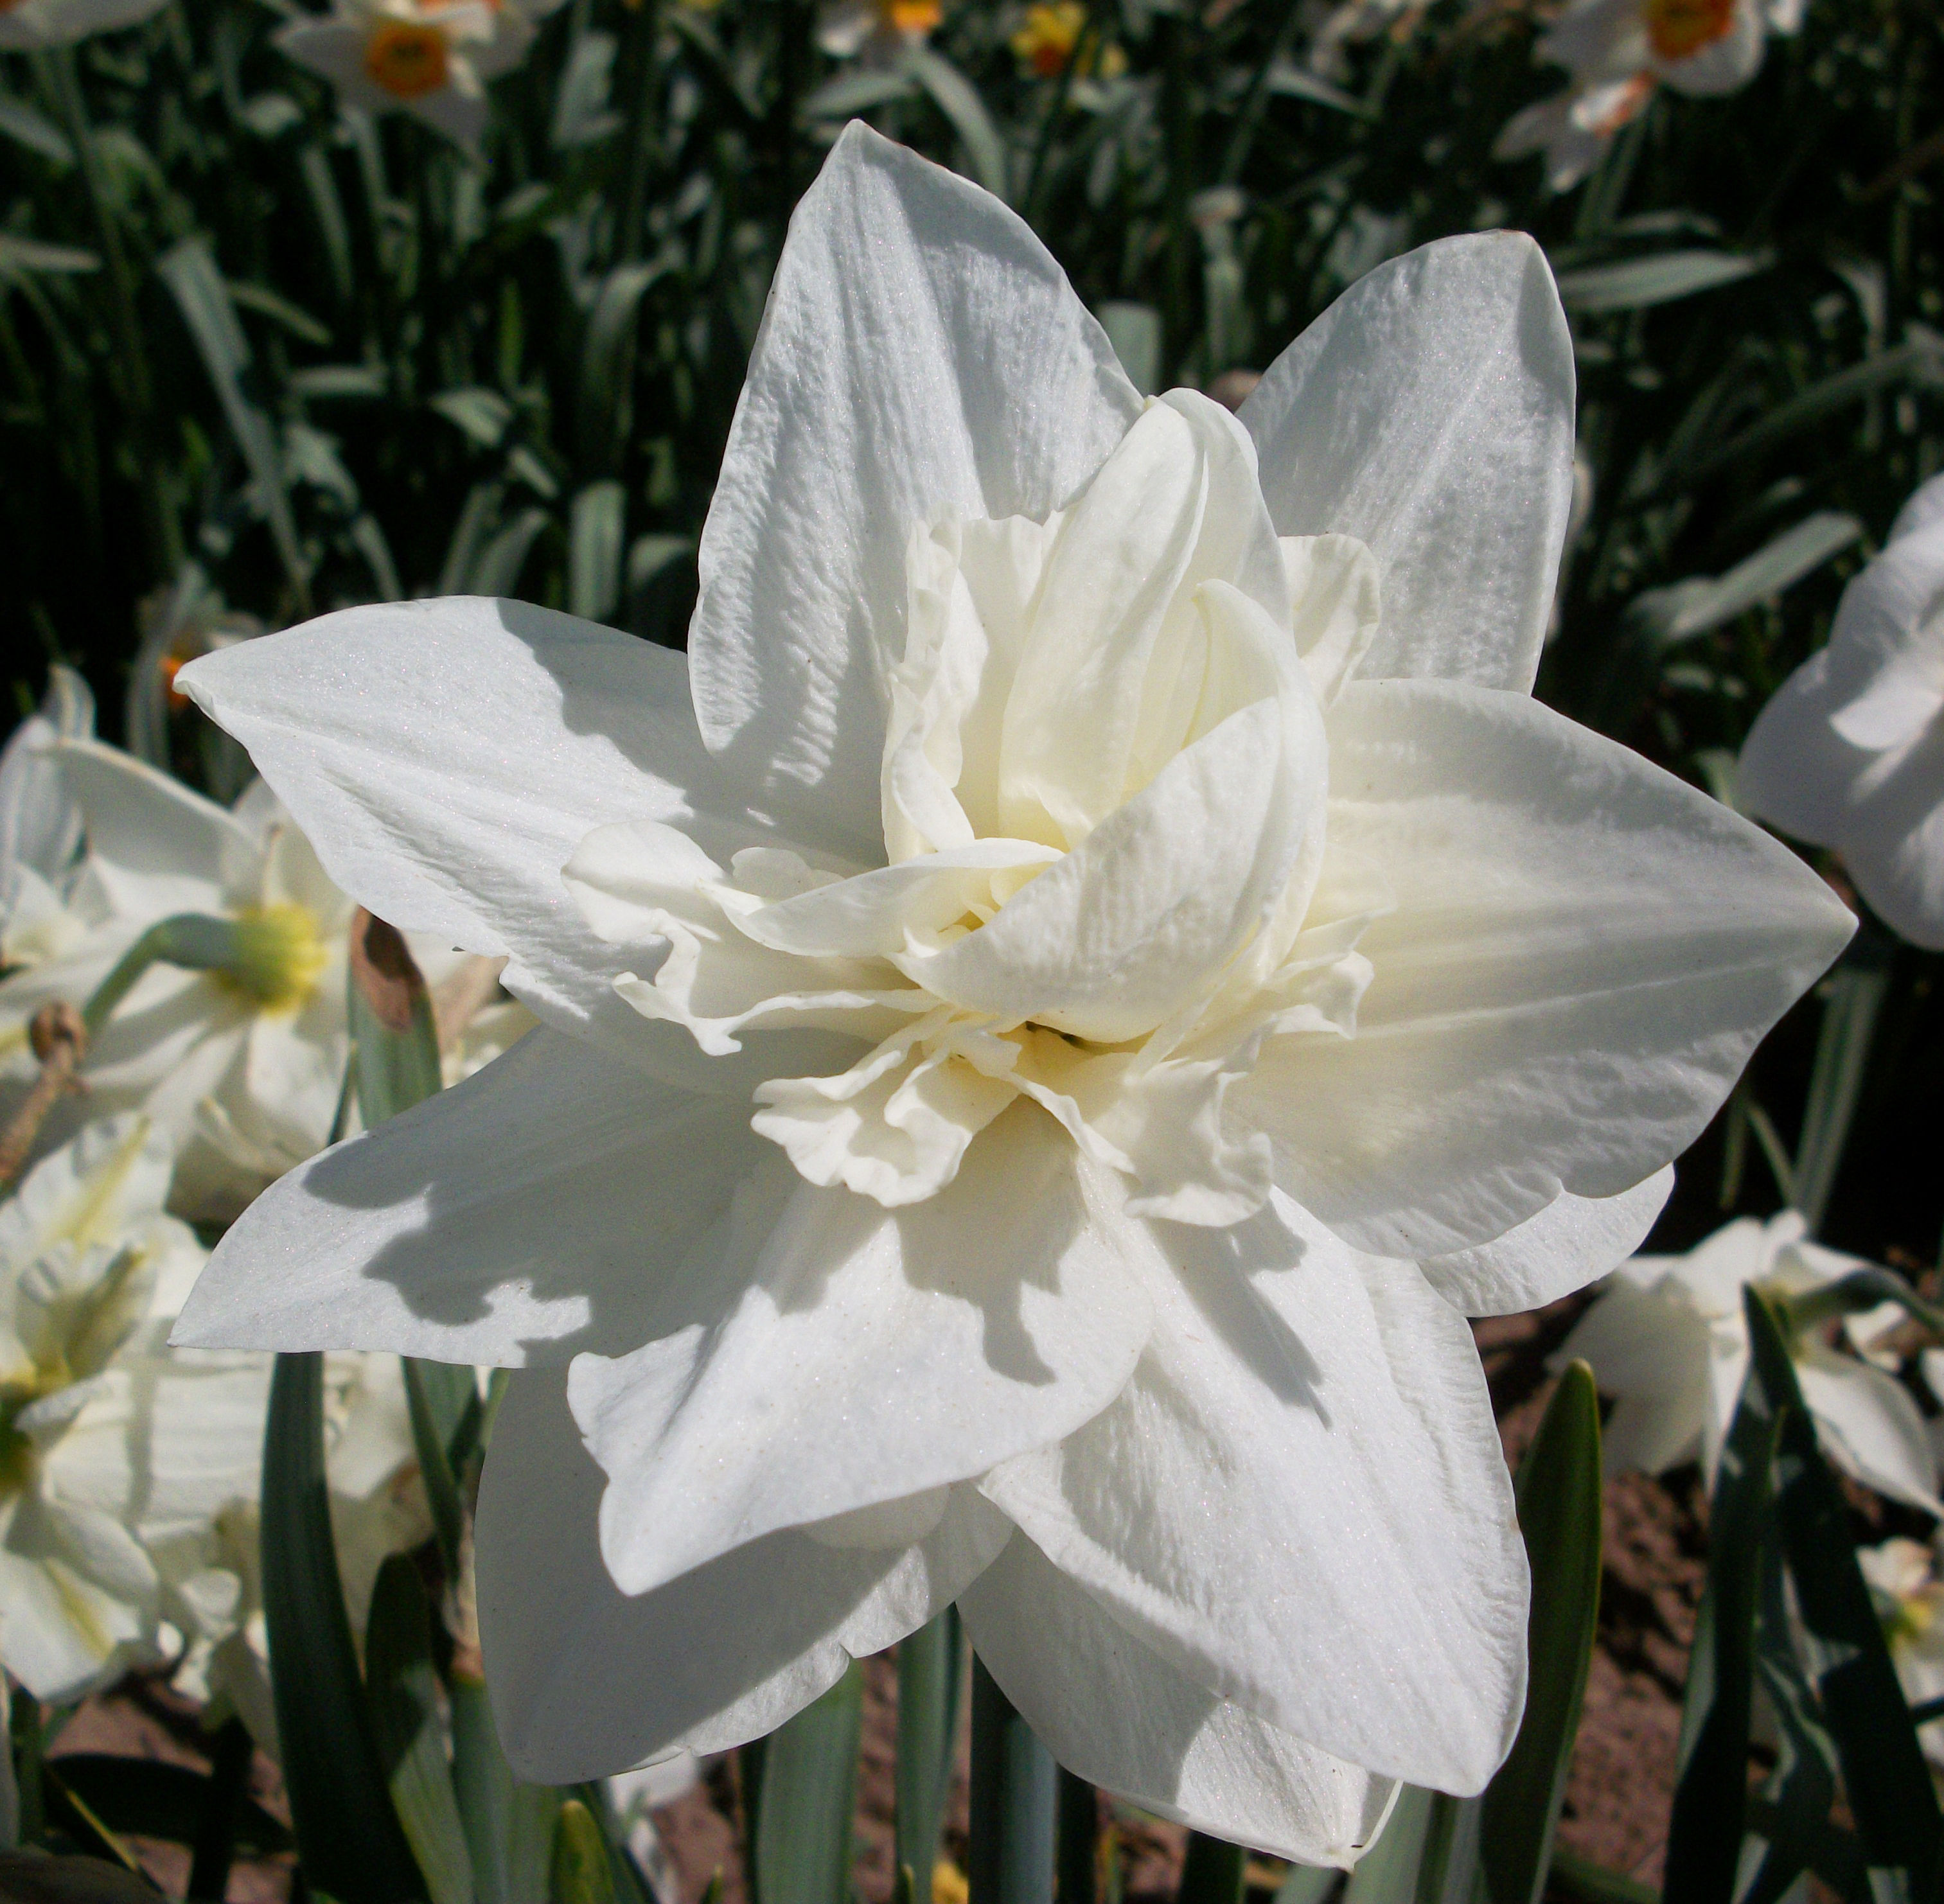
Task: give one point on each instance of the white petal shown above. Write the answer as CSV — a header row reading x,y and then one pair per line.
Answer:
x,y
587,1680
158,848
1570,1242
1871,1427
1584,952
1649,1348
1895,851
60,1633
1300,1502
445,758
1428,412
526,1214
1796,771
921,352
1120,1716
836,1353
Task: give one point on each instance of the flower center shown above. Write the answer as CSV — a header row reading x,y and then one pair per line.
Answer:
x,y
408,59
280,956
913,18
1677,30
1047,38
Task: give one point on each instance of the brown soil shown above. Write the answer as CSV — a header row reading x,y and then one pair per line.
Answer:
x,y
1616,1803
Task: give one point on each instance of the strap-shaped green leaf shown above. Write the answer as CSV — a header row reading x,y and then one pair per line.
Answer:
x,y
1077,1877
1710,1800
1015,1806
931,1670
1885,1775
581,1872
348,1835
1559,1515
508,1826
800,1836
1388,1872
1212,1871
403,1688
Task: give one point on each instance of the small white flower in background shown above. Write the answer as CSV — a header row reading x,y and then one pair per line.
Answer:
x,y
1902,1576
115,1452
430,61
242,1072
879,30
1617,52
1668,1337
1176,969
378,1508
1850,752
636,1796
30,25
40,825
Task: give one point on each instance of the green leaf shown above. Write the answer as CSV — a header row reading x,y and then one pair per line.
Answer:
x,y
1684,610
581,1872
1592,1884
1705,1835
1853,996
608,363
188,269
956,98
1309,1883
1014,1802
19,253
273,305
340,380
150,1798
405,1718
435,1470
481,414
26,126
850,93
931,1670
800,1834
1638,283
508,1826
1885,1775
1212,1871
497,571
34,1878
1559,1517
597,521
1388,1872
348,1839
1076,1879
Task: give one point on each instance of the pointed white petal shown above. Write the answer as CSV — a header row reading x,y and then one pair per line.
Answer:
x,y
1120,1716
1871,1427
1572,1241
527,1214
445,758
1796,771
1584,952
920,351
836,1353
587,1680
1653,1350
1300,1502
1428,412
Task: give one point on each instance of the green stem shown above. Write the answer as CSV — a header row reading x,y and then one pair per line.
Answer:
x,y
1857,989
1212,1872
1079,1841
189,939
1014,1801
231,1753
132,372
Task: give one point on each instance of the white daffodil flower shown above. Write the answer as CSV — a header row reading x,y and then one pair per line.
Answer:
x,y
1617,52
31,26
40,825
430,58
242,1071
115,1452
1850,752
1902,1575
378,1508
1669,1338
1122,867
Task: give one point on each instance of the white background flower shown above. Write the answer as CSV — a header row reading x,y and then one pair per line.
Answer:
x,y
1850,752
115,1450
1121,848
1669,1337
244,1081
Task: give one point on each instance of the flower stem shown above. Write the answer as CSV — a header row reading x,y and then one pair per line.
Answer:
x,y
1014,1782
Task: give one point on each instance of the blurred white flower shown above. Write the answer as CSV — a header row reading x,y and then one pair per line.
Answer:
x,y
115,1452
30,25
1668,1337
40,824
1143,945
378,1508
1617,51
1850,752
430,58
878,29
242,1072
1902,1575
